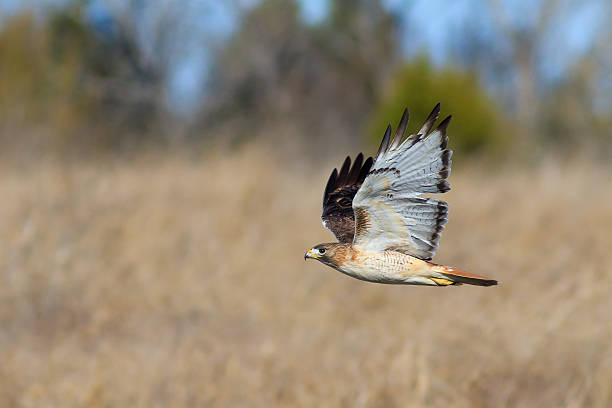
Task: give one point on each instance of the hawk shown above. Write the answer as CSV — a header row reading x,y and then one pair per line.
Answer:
x,y
387,231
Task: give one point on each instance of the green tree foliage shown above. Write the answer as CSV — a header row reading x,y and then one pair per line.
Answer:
x,y
477,123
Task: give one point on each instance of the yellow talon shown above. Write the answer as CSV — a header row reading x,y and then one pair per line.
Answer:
x,y
442,281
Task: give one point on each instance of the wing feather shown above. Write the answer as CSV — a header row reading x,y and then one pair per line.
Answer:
x,y
401,129
385,141
431,119
337,214
389,210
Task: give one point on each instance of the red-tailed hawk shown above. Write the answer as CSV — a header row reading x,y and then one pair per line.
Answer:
x,y
387,231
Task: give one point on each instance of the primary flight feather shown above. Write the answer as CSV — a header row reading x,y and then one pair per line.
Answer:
x,y
386,231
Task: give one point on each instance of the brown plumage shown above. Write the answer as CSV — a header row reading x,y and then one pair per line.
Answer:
x,y
387,232
337,215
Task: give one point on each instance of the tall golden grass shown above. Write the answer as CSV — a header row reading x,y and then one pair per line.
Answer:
x,y
173,282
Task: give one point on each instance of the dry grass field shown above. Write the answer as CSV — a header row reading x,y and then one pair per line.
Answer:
x,y
172,282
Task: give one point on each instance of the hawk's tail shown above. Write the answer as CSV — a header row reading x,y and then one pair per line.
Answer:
x,y
451,276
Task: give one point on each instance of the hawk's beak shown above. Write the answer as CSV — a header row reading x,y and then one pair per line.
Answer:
x,y
311,254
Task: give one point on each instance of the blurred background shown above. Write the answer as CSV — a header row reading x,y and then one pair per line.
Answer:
x,y
162,165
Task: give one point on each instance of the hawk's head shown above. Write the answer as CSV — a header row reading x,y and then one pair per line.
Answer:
x,y
331,254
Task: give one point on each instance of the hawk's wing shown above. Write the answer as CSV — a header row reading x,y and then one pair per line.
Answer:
x,y
389,210
337,215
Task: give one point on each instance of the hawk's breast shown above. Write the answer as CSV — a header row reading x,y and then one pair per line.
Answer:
x,y
384,266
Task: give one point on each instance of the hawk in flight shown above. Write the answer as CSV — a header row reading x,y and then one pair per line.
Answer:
x,y
386,231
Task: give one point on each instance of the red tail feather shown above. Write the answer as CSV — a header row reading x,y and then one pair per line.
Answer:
x,y
459,276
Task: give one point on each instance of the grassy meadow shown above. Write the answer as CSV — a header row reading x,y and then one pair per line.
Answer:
x,y
165,281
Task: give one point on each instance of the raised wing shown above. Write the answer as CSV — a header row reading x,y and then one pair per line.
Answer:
x,y
337,215
390,214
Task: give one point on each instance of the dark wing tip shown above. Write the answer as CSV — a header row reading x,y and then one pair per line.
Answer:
x,y
443,186
337,213
354,173
401,129
431,119
348,175
446,163
331,183
365,169
344,171
444,124
442,128
385,141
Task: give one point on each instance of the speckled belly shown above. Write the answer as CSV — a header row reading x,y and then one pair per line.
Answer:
x,y
387,267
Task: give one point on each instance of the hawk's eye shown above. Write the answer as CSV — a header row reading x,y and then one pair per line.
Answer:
x,y
322,251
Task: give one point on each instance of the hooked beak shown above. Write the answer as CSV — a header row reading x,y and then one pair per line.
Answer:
x,y
311,254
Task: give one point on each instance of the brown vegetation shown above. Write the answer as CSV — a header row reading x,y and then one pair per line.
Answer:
x,y
169,282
